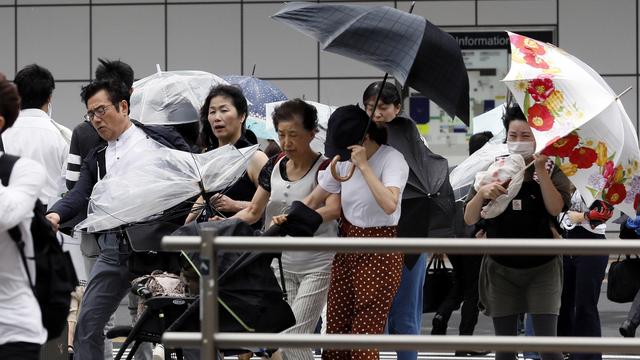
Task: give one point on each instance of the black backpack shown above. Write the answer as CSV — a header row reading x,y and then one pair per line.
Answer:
x,y
55,275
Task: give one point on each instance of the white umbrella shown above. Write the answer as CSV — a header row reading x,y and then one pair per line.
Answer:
x,y
489,121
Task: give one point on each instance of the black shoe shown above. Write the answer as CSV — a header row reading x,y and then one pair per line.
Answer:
x,y
471,353
628,329
439,325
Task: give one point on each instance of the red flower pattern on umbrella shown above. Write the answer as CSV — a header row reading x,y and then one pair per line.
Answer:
x,y
539,117
562,147
636,201
608,171
535,61
583,157
541,88
526,45
616,193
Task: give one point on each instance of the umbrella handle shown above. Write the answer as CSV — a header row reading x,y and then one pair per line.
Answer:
x,y
334,170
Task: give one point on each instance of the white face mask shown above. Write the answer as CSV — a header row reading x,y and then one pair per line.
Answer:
x,y
524,148
50,110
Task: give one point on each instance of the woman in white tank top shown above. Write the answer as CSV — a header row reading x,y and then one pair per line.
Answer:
x,y
284,179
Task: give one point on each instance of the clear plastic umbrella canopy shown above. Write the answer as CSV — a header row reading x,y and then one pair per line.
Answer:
x,y
151,182
171,97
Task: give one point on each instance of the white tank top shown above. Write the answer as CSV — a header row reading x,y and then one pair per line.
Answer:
x,y
283,194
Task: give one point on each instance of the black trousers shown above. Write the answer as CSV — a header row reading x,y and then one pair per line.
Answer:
x,y
465,291
20,351
583,277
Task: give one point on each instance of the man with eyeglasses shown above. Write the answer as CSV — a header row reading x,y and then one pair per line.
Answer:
x,y
108,111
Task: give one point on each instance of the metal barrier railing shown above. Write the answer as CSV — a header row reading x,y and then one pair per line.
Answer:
x,y
209,339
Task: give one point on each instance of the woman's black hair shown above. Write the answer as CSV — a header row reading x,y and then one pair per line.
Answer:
x,y
477,141
289,109
206,139
512,113
390,93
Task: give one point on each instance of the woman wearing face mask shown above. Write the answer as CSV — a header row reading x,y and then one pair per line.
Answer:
x,y
510,285
222,122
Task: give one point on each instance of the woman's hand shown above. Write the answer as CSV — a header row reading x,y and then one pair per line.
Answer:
x,y
575,217
279,219
492,191
358,156
224,203
539,162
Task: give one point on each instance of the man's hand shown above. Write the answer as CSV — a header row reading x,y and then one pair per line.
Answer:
x,y
54,219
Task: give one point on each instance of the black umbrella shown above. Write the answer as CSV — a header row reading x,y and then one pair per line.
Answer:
x,y
416,52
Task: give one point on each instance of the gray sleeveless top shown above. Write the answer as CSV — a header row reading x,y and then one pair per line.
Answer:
x,y
283,193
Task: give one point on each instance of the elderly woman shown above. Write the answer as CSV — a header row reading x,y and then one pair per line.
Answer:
x,y
222,120
510,285
286,178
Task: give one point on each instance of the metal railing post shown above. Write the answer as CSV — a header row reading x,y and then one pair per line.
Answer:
x,y
208,295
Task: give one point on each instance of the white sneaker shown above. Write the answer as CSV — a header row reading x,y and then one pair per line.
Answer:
x,y
158,352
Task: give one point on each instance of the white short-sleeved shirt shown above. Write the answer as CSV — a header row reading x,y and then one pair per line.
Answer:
x,y
358,204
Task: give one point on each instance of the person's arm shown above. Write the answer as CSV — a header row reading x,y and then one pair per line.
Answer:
x,y
331,209
553,201
196,209
77,199
253,212
224,203
18,199
74,161
474,206
318,197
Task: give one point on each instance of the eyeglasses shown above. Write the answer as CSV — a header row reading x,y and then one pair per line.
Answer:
x,y
99,112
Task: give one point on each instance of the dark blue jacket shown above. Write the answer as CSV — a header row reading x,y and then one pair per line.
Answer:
x,y
77,199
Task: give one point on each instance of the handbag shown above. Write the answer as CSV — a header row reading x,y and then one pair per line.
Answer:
x,y
438,282
623,279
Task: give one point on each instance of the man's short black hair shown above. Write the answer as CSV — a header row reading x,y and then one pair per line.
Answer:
x,y
116,90
115,70
35,86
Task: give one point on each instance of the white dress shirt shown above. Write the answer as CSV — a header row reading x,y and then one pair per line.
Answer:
x,y
20,317
132,141
35,136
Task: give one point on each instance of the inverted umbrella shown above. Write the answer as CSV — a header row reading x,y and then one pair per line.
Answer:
x,y
489,121
154,181
576,117
324,112
410,48
258,92
171,97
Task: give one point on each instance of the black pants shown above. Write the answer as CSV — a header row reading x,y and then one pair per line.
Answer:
x,y
583,277
465,291
20,351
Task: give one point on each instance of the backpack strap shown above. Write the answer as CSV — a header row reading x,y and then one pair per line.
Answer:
x,y
6,167
323,166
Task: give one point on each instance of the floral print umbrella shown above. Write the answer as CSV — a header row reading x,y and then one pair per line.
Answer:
x,y
576,117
